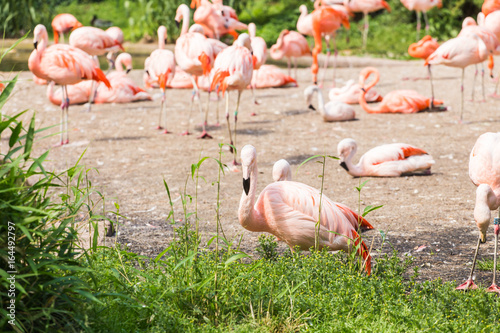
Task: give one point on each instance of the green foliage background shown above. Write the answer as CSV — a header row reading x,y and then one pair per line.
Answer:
x,y
390,33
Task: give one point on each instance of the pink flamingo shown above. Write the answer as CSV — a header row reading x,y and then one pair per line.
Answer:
x,y
282,171
233,71
194,55
290,44
259,50
78,93
331,111
64,23
484,171
214,23
491,23
397,101
217,45
366,6
271,76
460,52
423,49
117,34
290,211
124,89
390,160
421,6
63,64
160,67
325,22
95,42
350,93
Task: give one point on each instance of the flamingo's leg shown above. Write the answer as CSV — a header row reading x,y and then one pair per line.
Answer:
x,y
288,63
432,86
193,94
469,284
494,287
335,54
161,112
235,125
462,95
365,30
427,26
328,52
93,91
295,67
204,134
66,115
228,124
419,24
482,81
474,84
255,101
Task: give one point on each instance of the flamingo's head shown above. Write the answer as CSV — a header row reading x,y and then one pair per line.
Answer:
x,y
308,95
345,149
303,9
282,171
124,60
181,13
40,34
468,21
244,40
248,164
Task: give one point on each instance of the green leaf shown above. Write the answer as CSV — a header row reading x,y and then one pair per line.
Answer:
x,y
6,123
361,185
15,134
236,257
13,46
370,209
7,91
158,257
29,139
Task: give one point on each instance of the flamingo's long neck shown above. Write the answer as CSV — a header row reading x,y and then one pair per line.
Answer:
x,y
354,170
185,20
365,106
249,218
321,102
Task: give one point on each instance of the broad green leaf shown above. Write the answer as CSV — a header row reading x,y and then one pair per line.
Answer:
x,y
15,134
29,139
236,257
14,45
370,209
7,91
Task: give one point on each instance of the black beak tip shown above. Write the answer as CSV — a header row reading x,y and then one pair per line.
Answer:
x,y
128,70
35,44
311,107
343,165
246,185
363,89
177,23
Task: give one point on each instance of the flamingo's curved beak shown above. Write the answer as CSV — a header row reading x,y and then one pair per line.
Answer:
x,y
128,70
246,185
343,165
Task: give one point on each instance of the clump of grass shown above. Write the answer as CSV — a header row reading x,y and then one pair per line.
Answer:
x,y
267,247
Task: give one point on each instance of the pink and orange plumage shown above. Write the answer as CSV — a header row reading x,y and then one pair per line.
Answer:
x,y
290,210
64,23
291,45
490,6
94,41
423,48
270,76
390,160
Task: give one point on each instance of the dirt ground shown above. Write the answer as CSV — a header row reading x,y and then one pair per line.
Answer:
x,y
133,159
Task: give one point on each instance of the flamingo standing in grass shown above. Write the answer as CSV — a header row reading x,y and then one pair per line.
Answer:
x,y
194,55
331,111
397,101
259,49
325,22
460,52
421,6
63,64
282,171
95,42
160,67
390,160
62,24
291,45
290,211
484,171
233,71
365,7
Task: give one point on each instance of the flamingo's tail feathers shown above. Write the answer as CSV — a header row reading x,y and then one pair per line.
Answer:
x,y
289,79
56,37
219,79
379,98
205,63
99,76
363,251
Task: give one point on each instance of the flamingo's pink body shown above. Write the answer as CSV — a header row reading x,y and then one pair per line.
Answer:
x,y
233,70
489,6
124,89
217,45
215,25
365,7
64,23
492,23
351,92
423,48
270,76
292,45
390,160
77,93
397,101
484,171
290,210
304,23
94,41
63,64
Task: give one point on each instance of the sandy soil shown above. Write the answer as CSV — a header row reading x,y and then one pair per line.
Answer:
x,y
133,159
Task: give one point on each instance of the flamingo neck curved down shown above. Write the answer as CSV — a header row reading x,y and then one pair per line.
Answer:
x,y
355,170
250,218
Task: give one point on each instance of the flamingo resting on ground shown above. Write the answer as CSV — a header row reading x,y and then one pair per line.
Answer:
x,y
397,101
117,34
331,111
160,66
292,45
270,76
350,93
390,160
460,52
233,71
421,6
290,211
194,55
62,24
63,64
78,93
366,6
484,171
282,171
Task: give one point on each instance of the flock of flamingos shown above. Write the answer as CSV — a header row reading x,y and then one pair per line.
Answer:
x,y
287,209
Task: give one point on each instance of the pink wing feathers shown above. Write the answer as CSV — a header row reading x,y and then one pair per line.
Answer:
x,y
391,152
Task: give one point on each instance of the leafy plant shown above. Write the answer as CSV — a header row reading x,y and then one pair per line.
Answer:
x,y
267,247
